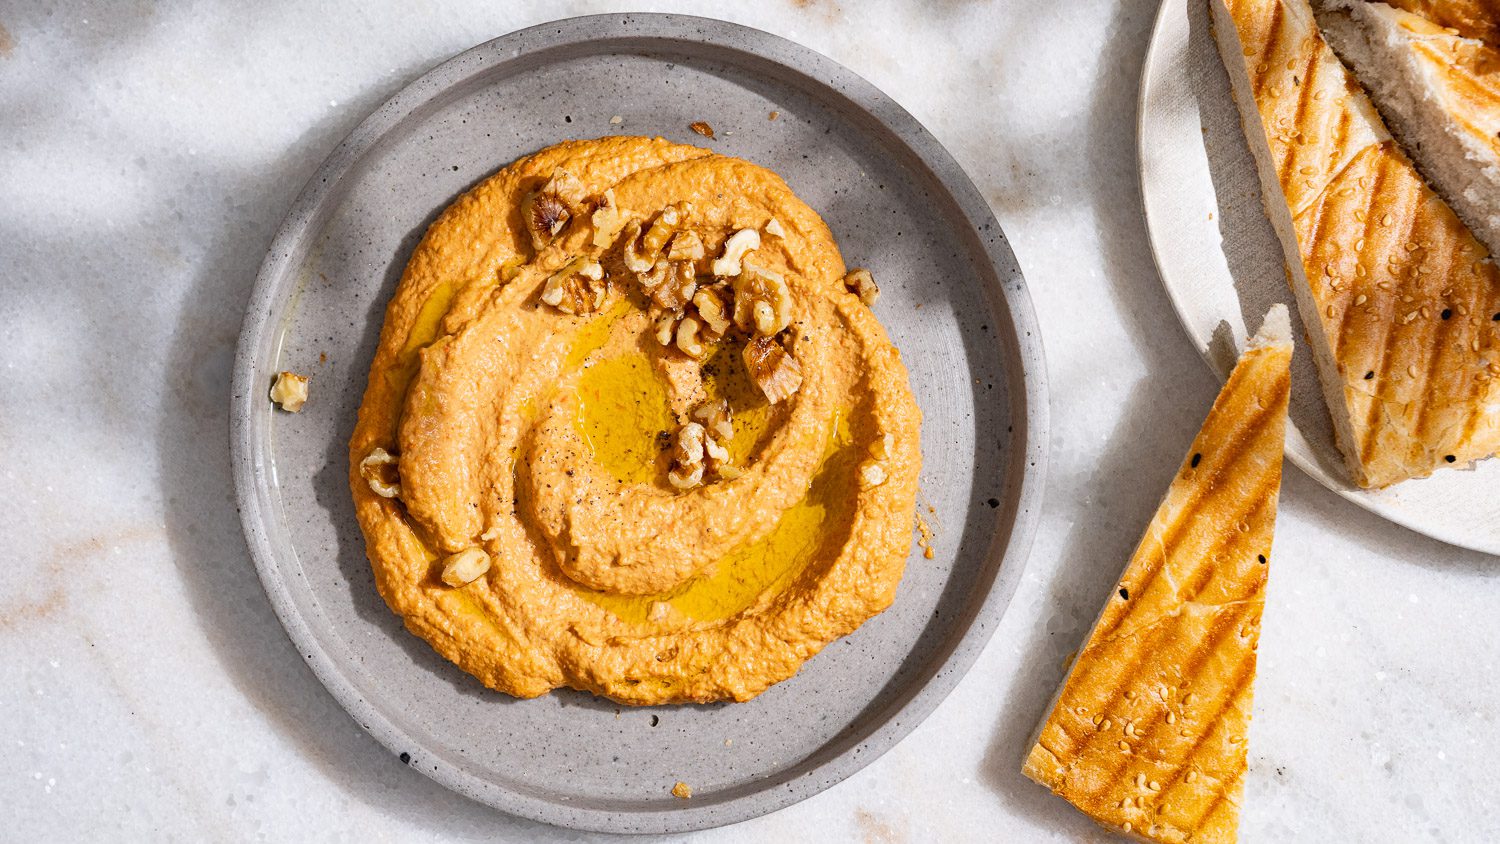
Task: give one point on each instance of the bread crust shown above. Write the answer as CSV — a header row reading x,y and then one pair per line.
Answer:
x,y
1478,19
1397,296
1440,94
1148,733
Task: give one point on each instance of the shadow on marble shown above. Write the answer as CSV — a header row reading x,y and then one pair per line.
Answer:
x,y
1089,565
203,528
1136,464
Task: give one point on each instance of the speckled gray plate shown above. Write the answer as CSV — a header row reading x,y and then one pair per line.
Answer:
x,y
954,301
1223,267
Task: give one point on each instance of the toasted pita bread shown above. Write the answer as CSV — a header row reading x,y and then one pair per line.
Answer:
x,y
1401,303
1479,19
1439,93
1148,733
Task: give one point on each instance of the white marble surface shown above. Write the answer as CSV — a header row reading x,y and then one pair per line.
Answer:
x,y
146,156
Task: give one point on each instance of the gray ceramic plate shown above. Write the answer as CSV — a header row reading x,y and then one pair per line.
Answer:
x,y
954,301
1223,267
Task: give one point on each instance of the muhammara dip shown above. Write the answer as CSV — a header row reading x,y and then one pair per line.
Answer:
x,y
630,429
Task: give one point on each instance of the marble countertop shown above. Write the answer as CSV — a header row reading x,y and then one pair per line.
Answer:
x,y
147,154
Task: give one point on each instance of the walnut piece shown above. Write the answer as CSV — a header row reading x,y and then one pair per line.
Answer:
x,y
577,288
606,220
871,474
862,284
465,567
289,391
739,244
718,424
381,471
548,209
774,228
772,368
669,285
664,226
716,419
688,341
713,310
762,301
686,246
687,457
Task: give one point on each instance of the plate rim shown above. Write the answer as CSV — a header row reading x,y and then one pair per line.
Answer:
x,y
1151,73
260,337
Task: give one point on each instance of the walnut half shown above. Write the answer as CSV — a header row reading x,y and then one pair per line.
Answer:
x,y
762,301
772,368
577,288
548,209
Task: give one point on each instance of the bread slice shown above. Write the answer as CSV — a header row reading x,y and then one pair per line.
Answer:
x,y
1478,19
1400,302
1148,732
1440,95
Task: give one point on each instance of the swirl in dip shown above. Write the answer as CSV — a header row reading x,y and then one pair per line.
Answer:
x,y
632,429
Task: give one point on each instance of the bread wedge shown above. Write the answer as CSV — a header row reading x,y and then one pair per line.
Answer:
x,y
1478,19
1400,302
1439,93
1148,733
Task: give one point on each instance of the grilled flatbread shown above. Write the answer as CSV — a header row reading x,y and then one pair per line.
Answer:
x,y
1479,19
1400,302
1148,733
1439,93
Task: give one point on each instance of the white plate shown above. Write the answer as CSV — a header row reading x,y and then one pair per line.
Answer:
x,y
1222,266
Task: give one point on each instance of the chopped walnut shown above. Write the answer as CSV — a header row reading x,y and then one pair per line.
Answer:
x,y
669,285
739,244
774,228
687,457
635,260
862,284
716,419
664,226
686,246
762,301
718,424
548,209
465,567
772,368
881,448
688,341
381,471
713,310
607,220
666,327
577,288
289,391
871,474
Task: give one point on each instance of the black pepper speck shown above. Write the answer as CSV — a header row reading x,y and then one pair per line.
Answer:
x,y
1124,593
1197,458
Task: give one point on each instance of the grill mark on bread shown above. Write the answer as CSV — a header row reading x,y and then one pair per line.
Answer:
x,y
1226,624
1244,675
1236,546
1225,462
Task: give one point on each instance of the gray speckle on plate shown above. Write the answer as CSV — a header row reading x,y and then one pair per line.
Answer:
x,y
953,300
